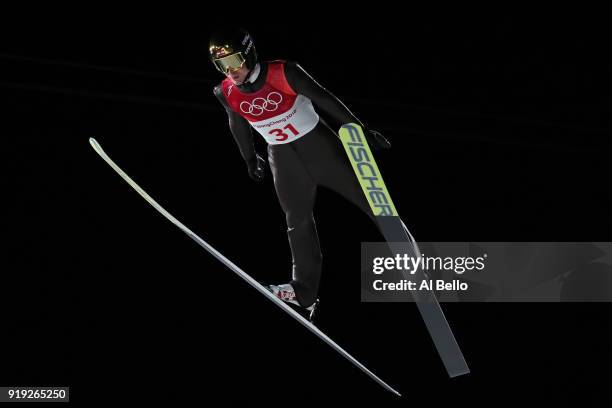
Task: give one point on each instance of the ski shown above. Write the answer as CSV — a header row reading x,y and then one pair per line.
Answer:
x,y
234,268
400,241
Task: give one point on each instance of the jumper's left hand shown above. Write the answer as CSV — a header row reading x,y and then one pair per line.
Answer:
x,y
376,140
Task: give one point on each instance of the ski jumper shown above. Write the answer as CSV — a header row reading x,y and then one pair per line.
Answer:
x,y
303,152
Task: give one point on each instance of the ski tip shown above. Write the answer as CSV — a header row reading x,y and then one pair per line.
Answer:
x,y
95,145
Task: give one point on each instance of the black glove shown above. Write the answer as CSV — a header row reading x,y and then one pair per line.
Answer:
x,y
256,168
376,140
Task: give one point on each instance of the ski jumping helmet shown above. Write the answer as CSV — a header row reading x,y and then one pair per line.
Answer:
x,y
230,50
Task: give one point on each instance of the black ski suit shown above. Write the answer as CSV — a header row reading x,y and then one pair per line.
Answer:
x,y
299,167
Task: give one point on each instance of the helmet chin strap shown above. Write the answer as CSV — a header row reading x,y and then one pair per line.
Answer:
x,y
254,70
246,78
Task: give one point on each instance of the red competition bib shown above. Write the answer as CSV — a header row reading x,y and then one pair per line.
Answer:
x,y
275,111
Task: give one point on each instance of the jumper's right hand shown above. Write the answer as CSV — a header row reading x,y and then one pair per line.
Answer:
x,y
257,168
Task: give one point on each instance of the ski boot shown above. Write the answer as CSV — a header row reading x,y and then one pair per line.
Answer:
x,y
286,293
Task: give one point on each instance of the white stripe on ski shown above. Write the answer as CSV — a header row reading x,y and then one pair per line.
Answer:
x,y
237,270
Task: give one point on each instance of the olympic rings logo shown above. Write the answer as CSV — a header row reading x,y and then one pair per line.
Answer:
x,y
260,105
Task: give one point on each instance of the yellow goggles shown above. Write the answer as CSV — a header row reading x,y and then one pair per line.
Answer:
x,y
229,63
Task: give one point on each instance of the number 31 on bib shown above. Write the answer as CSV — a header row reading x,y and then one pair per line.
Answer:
x,y
281,136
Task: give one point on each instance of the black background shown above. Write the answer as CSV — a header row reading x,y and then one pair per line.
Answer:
x,y
498,125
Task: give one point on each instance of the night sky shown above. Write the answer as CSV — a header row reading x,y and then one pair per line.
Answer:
x,y
499,127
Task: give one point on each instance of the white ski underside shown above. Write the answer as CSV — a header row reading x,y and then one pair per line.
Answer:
x,y
237,270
